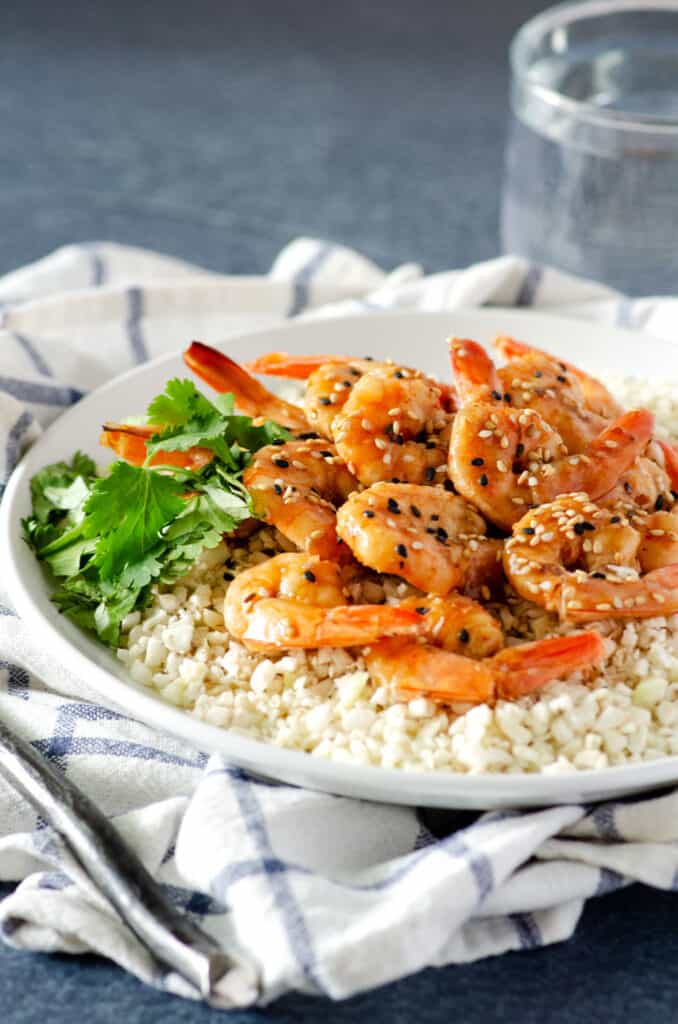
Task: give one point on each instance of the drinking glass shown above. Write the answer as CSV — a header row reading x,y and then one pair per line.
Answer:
x,y
591,178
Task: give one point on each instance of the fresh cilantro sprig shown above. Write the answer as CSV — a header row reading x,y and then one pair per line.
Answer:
x,y
109,538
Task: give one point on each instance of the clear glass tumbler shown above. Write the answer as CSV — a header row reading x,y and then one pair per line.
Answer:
x,y
591,180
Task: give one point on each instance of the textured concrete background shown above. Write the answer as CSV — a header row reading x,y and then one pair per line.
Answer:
x,y
218,131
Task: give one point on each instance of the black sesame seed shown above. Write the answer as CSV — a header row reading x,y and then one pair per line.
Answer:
x,y
588,526
598,575
538,373
310,435
398,439
529,530
449,486
430,445
421,437
497,396
324,400
388,429
310,576
516,467
422,610
278,441
659,503
464,636
395,479
277,488
579,529
347,383
435,517
430,473
615,519
441,534
563,380
368,513
283,463
627,487
393,506
520,449
483,480
429,529
399,374
402,550
478,461
326,454
507,397
354,373
415,511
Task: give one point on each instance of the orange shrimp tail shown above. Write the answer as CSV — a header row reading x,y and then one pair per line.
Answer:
x,y
629,433
520,670
223,374
283,364
129,443
670,462
510,348
473,368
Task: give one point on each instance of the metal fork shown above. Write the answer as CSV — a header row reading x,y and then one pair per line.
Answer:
x,y
113,868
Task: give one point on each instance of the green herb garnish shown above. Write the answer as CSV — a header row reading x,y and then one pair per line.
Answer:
x,y
109,538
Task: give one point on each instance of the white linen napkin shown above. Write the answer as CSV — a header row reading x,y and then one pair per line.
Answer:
x,y
309,892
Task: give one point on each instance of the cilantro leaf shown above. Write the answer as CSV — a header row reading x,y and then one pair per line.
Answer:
x,y
180,403
127,510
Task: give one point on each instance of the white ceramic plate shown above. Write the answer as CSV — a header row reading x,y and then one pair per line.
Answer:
x,y
413,338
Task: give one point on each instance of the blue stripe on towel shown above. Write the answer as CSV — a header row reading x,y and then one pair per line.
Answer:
x,y
528,290
135,312
32,353
38,393
303,277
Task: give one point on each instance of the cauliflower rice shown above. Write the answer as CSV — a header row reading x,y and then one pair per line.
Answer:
x,y
324,702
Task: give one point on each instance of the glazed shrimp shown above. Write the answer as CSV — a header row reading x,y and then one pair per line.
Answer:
x,y
443,675
585,563
530,381
295,486
329,381
129,443
596,395
298,600
434,540
505,461
394,426
223,374
645,485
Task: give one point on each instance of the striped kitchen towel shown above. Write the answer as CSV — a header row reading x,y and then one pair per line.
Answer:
x,y
306,891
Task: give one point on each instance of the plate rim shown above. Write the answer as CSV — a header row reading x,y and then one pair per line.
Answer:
x,y
285,764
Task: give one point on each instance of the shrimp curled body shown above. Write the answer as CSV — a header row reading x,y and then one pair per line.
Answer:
x,y
298,600
585,562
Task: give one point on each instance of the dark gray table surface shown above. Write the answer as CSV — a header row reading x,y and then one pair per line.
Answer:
x,y
218,131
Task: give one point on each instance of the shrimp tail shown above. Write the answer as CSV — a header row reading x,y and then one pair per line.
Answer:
x,y
670,462
522,669
283,364
473,368
129,443
223,374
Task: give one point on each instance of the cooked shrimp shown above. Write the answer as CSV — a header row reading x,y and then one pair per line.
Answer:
x,y
223,374
457,623
329,380
505,461
298,600
129,443
434,540
645,485
295,486
597,397
425,670
670,453
531,381
585,563
394,426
